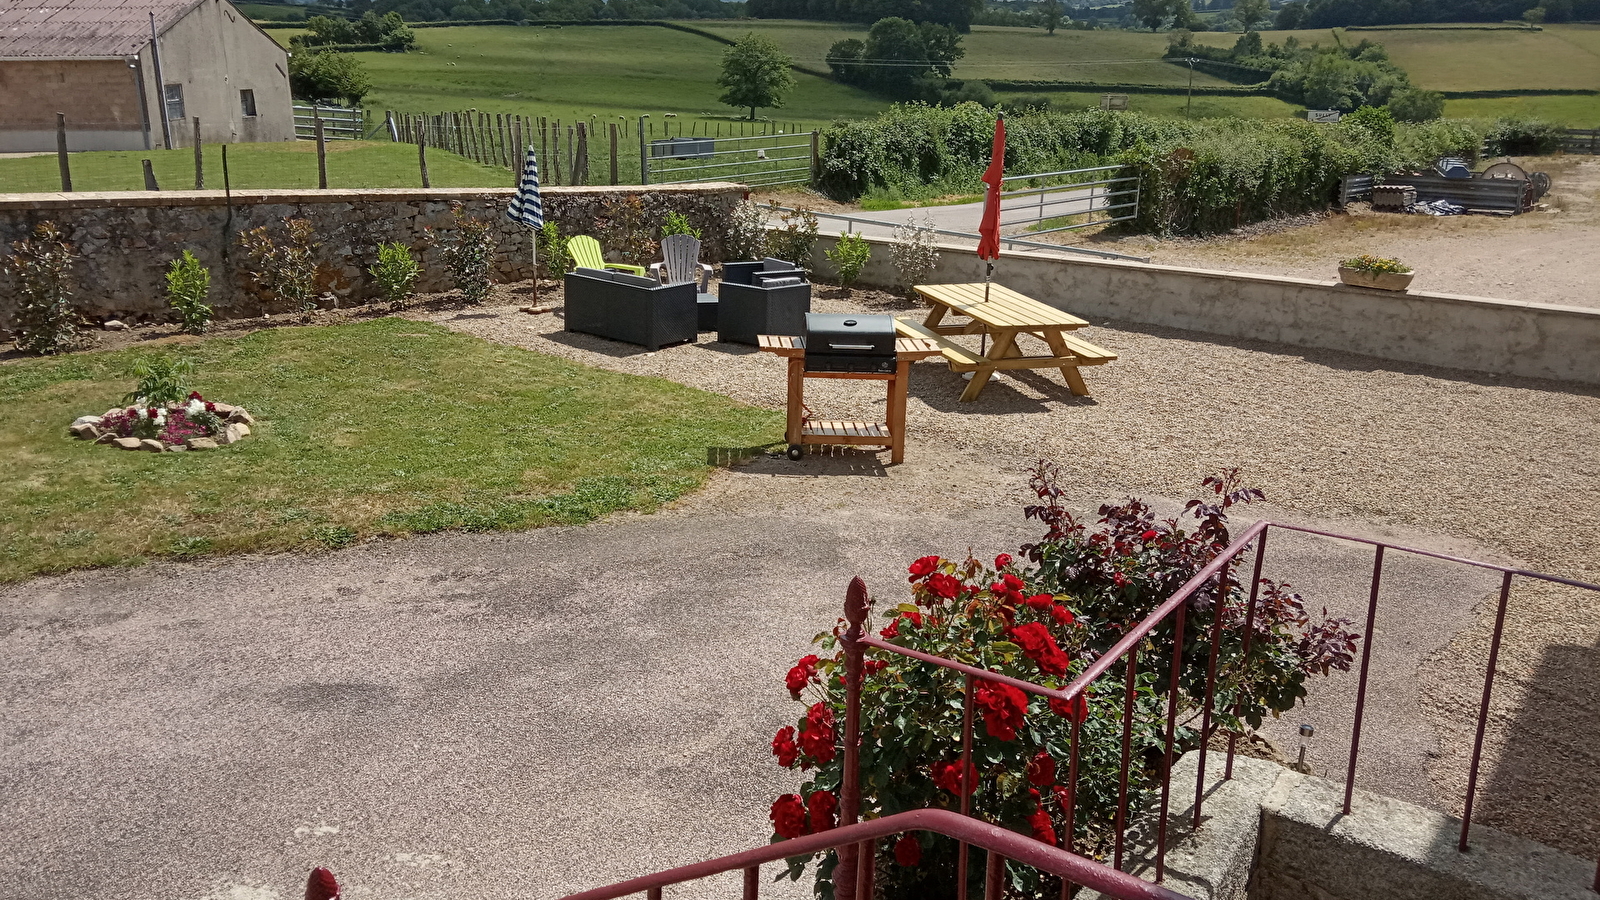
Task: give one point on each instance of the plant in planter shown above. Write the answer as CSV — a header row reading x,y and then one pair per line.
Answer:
x,y
160,416
1379,272
1042,616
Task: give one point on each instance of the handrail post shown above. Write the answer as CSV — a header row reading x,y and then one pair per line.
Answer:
x,y
856,604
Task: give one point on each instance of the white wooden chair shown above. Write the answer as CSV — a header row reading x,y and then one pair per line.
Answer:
x,y
680,254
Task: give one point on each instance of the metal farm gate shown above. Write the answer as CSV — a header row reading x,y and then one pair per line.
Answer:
x,y
339,123
759,161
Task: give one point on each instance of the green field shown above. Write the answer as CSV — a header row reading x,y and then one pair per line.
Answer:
x,y
582,71
1169,104
1126,57
351,164
1447,59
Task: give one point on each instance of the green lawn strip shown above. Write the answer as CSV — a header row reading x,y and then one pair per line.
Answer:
x,y
382,427
351,164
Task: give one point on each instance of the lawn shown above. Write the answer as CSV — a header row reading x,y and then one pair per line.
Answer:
x,y
351,164
384,427
582,71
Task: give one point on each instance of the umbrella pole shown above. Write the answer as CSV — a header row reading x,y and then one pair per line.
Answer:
x,y
983,341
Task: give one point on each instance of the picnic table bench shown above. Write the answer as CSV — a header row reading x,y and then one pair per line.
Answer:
x,y
1003,316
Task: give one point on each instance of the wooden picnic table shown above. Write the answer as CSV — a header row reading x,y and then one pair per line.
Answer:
x,y
802,431
1004,316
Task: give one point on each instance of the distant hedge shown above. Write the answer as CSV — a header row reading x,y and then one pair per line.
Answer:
x,y
1197,176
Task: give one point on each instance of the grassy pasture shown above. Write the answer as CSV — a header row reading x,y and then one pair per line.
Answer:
x,y
1169,104
578,71
382,427
351,164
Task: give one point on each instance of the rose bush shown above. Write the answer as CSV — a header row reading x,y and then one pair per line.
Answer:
x,y
1042,615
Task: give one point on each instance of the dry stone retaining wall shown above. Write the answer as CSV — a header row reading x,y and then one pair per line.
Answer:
x,y
125,240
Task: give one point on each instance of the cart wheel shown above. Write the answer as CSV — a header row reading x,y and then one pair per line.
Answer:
x,y
796,451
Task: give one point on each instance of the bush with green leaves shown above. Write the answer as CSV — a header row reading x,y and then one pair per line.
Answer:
x,y
553,252
746,237
323,76
468,251
45,320
1043,615
678,223
163,380
795,238
913,252
395,272
286,268
188,284
850,254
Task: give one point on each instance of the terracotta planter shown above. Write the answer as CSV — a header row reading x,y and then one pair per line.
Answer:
x,y
1383,281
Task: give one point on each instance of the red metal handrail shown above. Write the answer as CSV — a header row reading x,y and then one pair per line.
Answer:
x,y
855,642
999,842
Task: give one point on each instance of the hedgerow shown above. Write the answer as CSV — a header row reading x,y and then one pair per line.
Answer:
x,y
1198,176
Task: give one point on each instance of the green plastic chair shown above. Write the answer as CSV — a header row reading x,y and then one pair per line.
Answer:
x,y
586,254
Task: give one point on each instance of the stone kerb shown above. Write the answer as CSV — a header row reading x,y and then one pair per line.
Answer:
x,y
126,240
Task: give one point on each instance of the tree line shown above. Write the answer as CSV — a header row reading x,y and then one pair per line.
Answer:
x,y
1345,13
957,14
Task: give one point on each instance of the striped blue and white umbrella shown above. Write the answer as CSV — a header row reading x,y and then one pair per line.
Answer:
x,y
525,206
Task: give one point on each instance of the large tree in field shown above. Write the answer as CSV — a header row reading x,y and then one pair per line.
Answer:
x,y
1051,15
1251,13
755,73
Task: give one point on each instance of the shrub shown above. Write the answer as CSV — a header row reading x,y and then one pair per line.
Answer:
x,y
163,380
1416,105
1044,615
44,321
1524,137
287,270
395,271
625,229
796,237
747,232
913,253
1377,265
468,254
188,283
849,256
553,250
678,223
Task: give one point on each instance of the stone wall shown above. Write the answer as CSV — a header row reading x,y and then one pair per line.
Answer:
x,y
125,240
1480,334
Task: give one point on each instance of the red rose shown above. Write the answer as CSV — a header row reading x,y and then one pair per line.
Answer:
x,y
152,412
195,395
943,585
1152,534
947,775
322,885
907,850
1040,602
923,567
1037,644
1063,797
820,808
801,675
788,816
1076,709
1043,832
1003,560
1003,707
873,666
892,630
1042,770
784,748
816,734
1062,615
210,407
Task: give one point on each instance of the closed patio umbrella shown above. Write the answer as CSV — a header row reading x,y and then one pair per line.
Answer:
x,y
989,226
527,208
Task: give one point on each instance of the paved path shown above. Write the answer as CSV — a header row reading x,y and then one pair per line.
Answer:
x,y
516,715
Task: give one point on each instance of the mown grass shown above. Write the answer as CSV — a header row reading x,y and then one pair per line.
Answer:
x,y
351,164
579,71
382,427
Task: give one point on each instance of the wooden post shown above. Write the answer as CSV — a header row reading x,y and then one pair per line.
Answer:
x,y
61,153
613,153
199,161
816,157
150,177
322,155
581,175
422,156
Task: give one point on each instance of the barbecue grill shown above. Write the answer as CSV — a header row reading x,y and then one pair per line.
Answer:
x,y
849,343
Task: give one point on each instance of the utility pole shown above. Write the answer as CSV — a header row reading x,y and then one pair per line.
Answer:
x,y
161,84
1189,106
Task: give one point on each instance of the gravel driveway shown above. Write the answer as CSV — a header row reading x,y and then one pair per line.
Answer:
x,y
526,714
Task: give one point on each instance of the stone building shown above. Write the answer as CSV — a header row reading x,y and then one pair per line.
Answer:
x,y
133,75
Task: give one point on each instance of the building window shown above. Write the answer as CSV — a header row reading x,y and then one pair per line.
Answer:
x,y
247,103
174,95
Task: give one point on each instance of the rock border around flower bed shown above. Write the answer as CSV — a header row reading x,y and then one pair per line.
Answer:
x,y
198,424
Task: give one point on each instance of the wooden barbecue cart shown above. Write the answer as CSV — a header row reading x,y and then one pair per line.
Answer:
x,y
890,434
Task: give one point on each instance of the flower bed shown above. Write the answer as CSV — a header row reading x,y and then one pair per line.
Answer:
x,y
196,424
